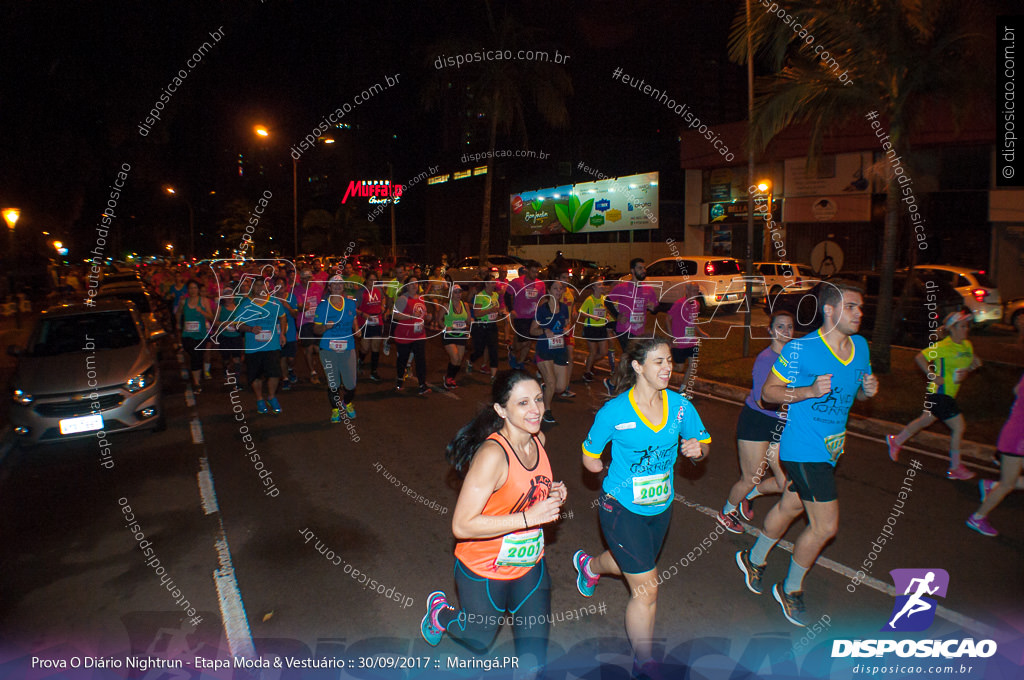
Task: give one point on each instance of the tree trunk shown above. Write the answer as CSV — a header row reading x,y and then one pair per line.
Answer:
x,y
881,339
485,223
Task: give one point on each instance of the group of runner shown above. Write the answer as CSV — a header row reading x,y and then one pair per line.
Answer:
x,y
790,435
508,494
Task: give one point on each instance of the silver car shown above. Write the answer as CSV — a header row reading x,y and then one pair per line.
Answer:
x,y
85,369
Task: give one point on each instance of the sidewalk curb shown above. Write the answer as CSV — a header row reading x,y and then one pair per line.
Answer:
x,y
875,427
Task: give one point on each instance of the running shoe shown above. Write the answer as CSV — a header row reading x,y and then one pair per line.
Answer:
x,y
751,572
261,407
584,581
894,448
729,522
746,512
398,386
609,387
374,377
430,626
275,406
959,472
387,349
335,416
588,377
982,526
424,390
197,389
206,374
469,367
292,378
549,417
350,410
568,394
450,383
792,605
985,485
286,385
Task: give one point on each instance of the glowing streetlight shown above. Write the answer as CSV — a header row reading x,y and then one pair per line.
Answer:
x,y
57,245
261,131
763,185
11,216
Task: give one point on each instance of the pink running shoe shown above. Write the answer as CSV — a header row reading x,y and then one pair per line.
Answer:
x,y
894,448
982,526
959,472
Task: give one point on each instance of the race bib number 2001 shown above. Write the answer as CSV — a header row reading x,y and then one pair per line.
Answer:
x,y
521,549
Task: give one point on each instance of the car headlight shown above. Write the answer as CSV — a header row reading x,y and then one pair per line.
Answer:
x,y
23,398
142,380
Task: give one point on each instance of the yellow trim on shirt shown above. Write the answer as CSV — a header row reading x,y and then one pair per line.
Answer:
x,y
589,454
780,376
853,350
664,411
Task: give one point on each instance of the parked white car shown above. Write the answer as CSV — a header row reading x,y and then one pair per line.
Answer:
x,y
980,295
794,278
720,279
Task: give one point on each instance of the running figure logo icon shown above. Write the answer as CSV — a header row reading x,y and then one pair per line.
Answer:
x,y
914,610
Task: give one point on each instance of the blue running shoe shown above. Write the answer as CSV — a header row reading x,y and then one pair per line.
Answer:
x,y
584,582
274,405
261,407
430,626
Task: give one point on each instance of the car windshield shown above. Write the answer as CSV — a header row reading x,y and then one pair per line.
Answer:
x,y
983,279
65,334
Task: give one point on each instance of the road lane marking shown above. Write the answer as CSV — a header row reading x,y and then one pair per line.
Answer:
x,y
229,597
843,570
206,487
197,430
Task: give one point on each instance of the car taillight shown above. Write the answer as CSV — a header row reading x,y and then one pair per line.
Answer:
x,y
979,294
709,269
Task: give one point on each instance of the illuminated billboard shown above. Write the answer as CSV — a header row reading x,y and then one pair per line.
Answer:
x,y
617,204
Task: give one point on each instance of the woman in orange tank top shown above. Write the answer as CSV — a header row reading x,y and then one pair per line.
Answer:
x,y
507,496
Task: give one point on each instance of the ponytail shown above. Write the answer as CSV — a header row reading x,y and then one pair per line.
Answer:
x,y
463,446
636,350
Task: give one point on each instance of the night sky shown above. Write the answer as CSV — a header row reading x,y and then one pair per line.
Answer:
x,y
78,79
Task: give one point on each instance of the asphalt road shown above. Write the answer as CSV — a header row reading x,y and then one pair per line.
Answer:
x,y
278,573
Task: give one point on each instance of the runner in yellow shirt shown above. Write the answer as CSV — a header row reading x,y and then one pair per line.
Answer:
x,y
946,365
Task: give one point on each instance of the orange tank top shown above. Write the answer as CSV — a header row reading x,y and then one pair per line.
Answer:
x,y
510,556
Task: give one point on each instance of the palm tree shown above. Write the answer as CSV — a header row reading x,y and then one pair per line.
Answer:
x,y
903,58
500,89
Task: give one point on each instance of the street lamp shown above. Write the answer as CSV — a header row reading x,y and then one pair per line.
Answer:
x,y
262,131
11,216
191,221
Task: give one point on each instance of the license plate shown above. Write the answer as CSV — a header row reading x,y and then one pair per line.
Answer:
x,y
83,424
